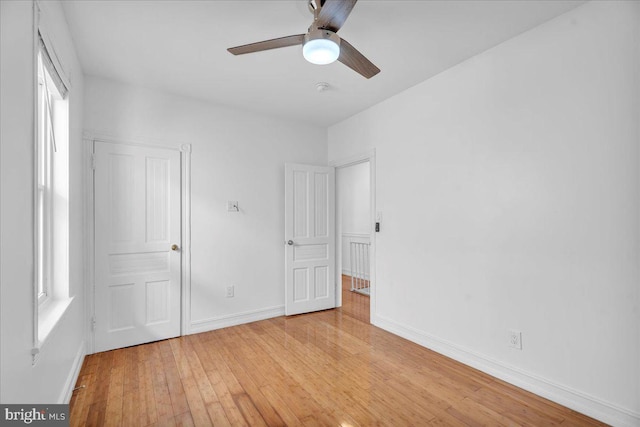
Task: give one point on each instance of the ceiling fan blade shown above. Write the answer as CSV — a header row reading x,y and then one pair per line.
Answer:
x,y
268,44
352,58
333,14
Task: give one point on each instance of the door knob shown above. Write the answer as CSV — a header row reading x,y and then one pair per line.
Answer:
x,y
290,242
174,247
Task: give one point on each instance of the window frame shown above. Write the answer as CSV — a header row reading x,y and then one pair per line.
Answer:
x,y
44,187
50,286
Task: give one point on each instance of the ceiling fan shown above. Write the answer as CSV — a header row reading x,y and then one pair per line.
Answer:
x,y
321,44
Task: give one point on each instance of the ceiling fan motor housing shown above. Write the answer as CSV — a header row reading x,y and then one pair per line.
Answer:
x,y
320,33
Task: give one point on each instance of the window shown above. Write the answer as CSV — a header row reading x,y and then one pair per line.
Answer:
x,y
51,197
45,148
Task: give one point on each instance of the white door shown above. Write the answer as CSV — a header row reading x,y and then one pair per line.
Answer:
x,y
137,221
309,238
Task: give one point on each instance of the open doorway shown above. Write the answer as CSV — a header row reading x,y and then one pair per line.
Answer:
x,y
354,235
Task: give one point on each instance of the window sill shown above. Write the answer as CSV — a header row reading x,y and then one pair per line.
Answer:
x,y
49,316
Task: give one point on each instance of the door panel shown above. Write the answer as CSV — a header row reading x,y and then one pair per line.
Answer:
x,y
137,219
309,238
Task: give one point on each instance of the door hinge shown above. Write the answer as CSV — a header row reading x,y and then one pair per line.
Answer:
x,y
93,323
93,161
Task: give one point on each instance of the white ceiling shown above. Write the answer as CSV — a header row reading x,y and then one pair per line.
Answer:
x,y
180,47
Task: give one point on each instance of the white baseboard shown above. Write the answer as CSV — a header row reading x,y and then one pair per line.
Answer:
x,y
576,400
235,319
72,378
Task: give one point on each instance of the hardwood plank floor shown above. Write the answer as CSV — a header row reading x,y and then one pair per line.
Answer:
x,y
330,368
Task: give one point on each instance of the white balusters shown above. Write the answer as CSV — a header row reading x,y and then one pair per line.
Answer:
x,y
359,267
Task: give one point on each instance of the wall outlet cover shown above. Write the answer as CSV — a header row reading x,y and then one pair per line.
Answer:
x,y
230,291
514,339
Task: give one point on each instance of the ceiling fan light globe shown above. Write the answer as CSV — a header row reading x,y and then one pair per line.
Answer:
x,y
321,51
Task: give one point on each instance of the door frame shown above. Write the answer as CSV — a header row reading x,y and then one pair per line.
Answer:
x,y
88,140
368,156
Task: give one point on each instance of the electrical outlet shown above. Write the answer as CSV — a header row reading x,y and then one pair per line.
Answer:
x,y
514,339
230,291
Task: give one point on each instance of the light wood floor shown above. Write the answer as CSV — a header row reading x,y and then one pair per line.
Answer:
x,y
329,368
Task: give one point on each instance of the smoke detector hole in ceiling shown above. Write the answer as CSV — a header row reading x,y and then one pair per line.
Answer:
x,y
322,86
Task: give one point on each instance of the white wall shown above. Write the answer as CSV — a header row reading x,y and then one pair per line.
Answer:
x,y
50,379
236,156
353,195
510,190
352,207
